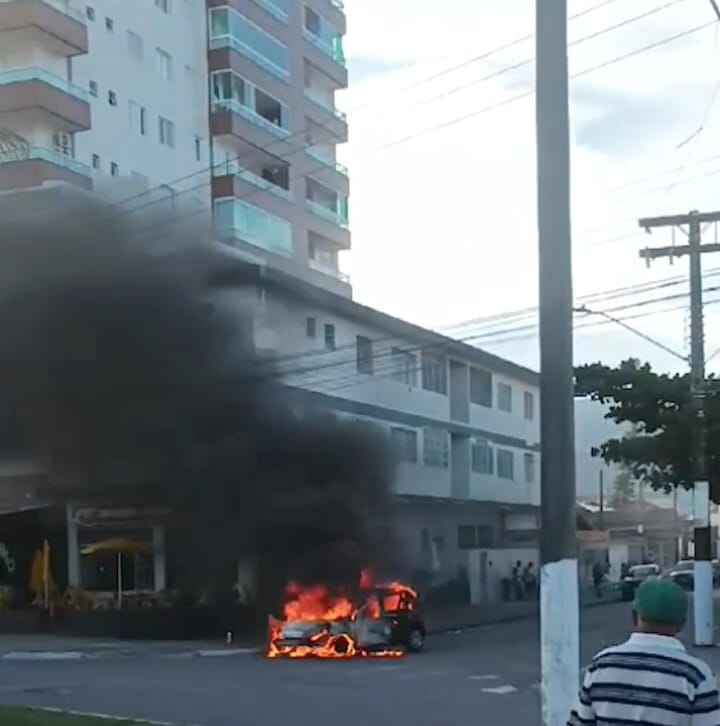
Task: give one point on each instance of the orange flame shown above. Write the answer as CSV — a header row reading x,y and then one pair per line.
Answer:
x,y
317,604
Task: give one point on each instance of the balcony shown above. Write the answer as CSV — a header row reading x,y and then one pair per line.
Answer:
x,y
34,165
330,271
277,8
230,179
322,111
325,47
35,89
231,30
237,222
335,216
236,108
320,156
48,24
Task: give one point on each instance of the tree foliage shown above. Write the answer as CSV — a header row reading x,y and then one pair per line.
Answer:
x,y
657,411
623,491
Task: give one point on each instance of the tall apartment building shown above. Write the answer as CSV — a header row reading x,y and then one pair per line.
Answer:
x,y
222,106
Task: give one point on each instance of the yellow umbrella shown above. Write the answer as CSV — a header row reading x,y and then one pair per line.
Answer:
x,y
46,573
117,546
36,574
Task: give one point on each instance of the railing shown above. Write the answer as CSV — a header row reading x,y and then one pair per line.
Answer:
x,y
328,214
331,271
275,8
61,6
338,4
319,156
325,46
319,100
40,153
230,41
23,75
232,168
242,110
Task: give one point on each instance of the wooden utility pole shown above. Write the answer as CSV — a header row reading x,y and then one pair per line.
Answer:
x,y
691,225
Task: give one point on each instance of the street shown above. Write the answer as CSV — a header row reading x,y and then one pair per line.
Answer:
x,y
485,675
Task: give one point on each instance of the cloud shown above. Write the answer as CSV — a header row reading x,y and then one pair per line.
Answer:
x,y
443,182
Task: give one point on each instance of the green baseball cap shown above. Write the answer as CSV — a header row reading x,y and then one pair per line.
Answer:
x,y
661,601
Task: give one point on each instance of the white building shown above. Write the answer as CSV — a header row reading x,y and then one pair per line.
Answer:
x,y
465,423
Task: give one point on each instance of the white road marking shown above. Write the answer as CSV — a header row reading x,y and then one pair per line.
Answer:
x,y
500,690
38,655
225,653
105,716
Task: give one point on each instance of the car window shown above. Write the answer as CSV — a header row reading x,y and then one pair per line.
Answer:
x,y
643,571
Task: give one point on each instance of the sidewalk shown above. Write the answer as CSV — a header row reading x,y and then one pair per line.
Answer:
x,y
469,616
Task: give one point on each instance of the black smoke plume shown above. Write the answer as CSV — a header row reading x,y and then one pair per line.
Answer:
x,y
117,375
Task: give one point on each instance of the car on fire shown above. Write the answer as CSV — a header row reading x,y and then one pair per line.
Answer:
x,y
388,622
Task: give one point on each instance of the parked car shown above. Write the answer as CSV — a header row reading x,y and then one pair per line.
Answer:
x,y
683,573
635,576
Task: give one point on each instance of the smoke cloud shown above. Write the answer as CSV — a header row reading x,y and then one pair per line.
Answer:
x,y
117,376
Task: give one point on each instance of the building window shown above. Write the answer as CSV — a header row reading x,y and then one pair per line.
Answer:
x,y
364,355
112,98
506,464
472,537
435,447
163,5
95,161
310,327
137,118
114,168
405,443
404,366
109,25
504,397
481,457
135,45
481,387
166,132
530,473
329,336
90,12
434,374
529,405
93,88
163,62
198,148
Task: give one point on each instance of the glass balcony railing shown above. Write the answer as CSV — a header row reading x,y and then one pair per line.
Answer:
x,y
332,47
232,168
24,75
242,110
40,153
331,271
277,8
319,100
236,219
324,159
336,216
61,6
339,4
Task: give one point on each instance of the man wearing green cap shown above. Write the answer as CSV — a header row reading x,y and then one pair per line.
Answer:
x,y
651,678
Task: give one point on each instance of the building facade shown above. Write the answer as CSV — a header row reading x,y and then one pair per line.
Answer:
x,y
224,110
464,423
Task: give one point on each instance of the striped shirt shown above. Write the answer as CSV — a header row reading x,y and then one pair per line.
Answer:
x,y
650,679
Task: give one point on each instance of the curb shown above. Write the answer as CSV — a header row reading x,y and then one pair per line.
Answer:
x,y
509,618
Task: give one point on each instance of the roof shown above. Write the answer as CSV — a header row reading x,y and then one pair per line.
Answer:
x,y
230,271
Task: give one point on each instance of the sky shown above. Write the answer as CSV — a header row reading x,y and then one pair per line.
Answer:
x,y
444,223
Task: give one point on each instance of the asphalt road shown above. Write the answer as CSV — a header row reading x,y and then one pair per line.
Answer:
x,y
487,675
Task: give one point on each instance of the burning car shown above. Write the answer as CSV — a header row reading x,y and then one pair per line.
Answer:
x,y
386,623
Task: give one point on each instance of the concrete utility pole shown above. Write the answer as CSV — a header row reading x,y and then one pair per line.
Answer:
x,y
559,624
691,225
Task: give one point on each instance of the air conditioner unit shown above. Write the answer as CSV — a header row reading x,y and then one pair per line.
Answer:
x,y
63,143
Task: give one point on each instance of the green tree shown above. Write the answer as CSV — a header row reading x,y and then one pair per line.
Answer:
x,y
623,491
660,448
